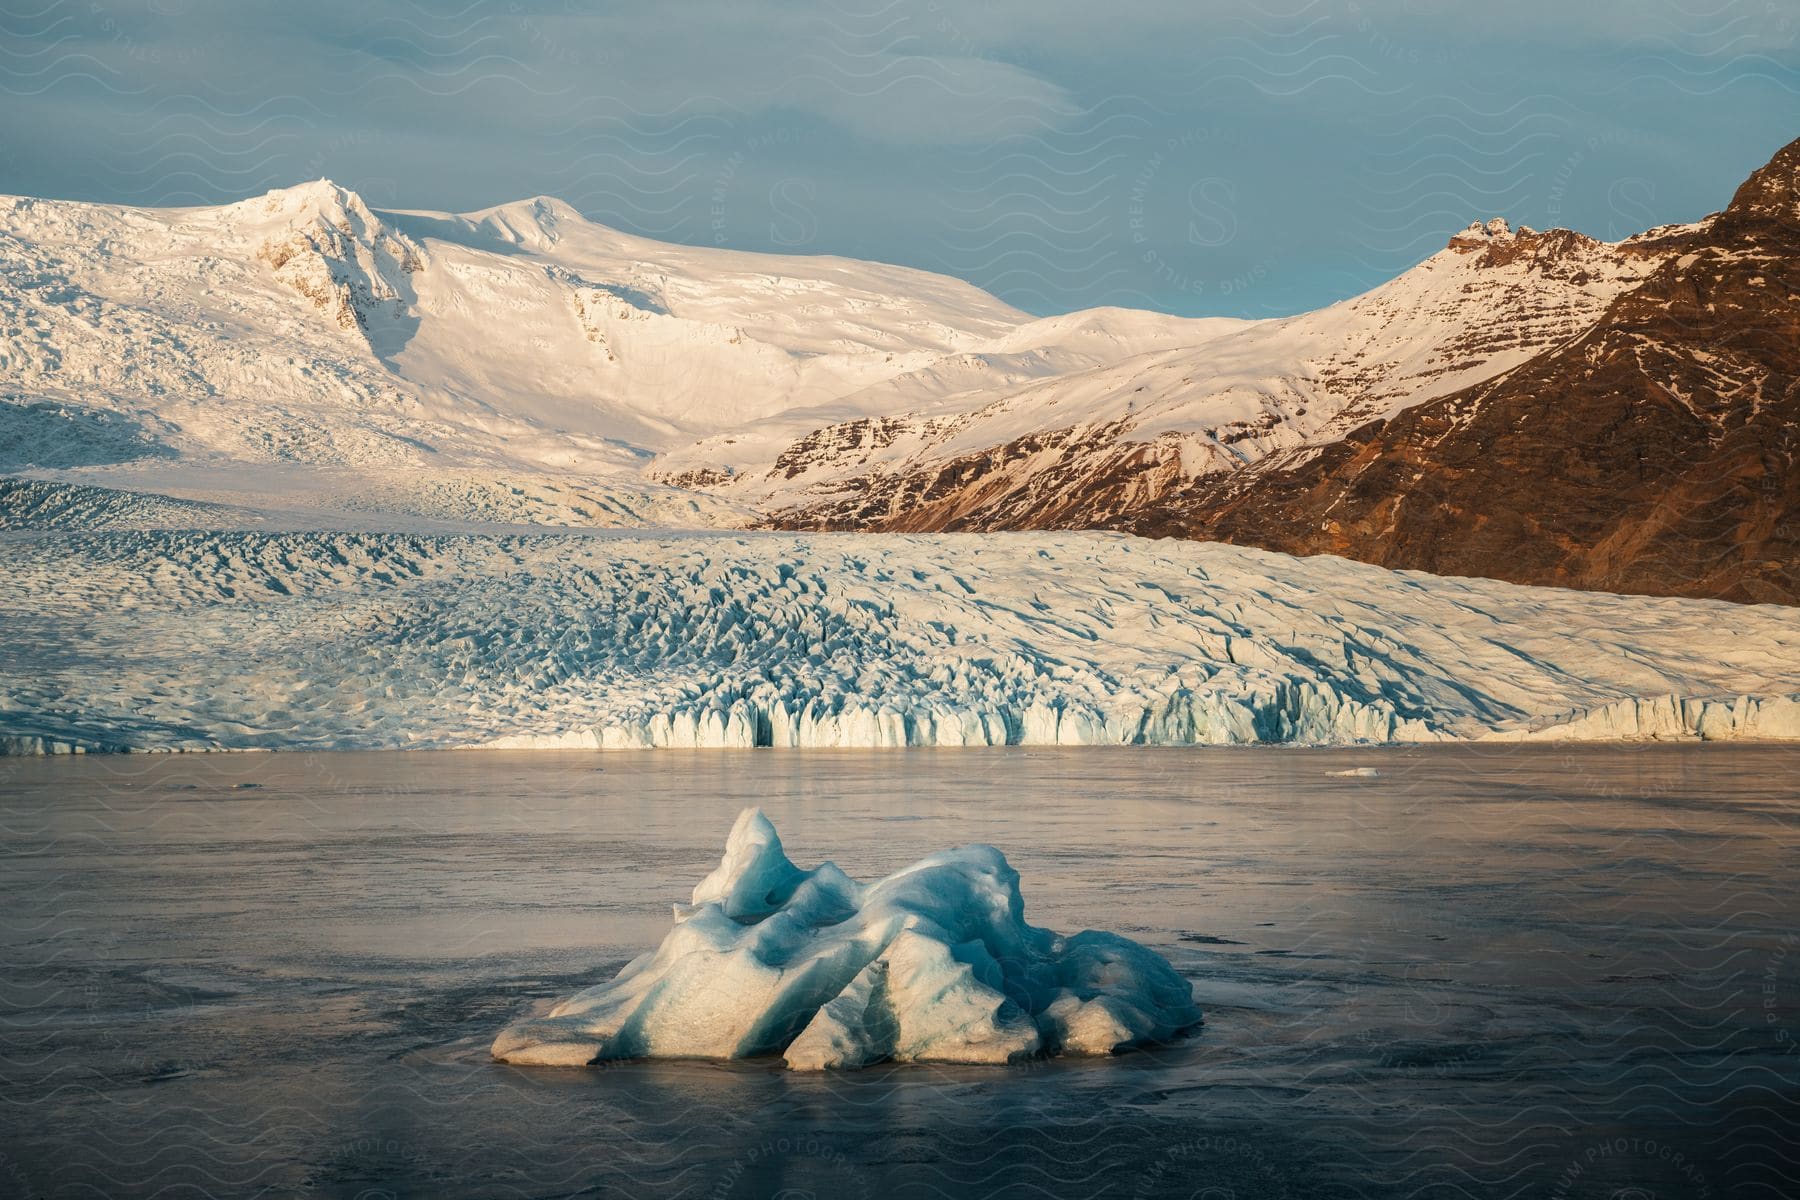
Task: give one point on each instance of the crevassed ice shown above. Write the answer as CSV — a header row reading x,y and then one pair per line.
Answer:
x,y
935,963
262,640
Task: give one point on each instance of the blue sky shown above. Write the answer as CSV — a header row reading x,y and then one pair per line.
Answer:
x,y
1197,157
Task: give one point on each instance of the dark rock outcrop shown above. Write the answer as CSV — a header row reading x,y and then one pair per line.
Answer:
x,y
1655,452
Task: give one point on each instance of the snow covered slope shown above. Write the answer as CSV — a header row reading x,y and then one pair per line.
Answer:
x,y
425,358
154,349
1083,448
304,326
158,639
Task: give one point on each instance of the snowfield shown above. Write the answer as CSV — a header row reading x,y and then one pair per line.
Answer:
x,y
523,364
302,326
935,963
235,640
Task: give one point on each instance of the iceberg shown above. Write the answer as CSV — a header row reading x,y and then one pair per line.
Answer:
x,y
935,963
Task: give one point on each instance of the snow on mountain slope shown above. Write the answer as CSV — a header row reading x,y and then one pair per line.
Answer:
x,y
1079,449
1653,454
302,327
758,460
669,342
241,640
237,331
548,352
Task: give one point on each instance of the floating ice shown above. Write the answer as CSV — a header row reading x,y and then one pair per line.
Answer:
x,y
935,963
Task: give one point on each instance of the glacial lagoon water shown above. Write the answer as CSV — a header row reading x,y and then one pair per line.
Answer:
x,y
1480,971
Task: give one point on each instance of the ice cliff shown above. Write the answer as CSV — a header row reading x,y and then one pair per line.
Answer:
x,y
170,640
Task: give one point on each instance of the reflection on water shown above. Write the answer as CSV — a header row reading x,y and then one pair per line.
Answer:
x,y
1482,972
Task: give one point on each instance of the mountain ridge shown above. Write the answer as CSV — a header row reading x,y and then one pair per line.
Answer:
x,y
1651,450
1269,390
1655,454
524,360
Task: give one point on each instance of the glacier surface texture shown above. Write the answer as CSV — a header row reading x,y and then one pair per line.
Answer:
x,y
169,640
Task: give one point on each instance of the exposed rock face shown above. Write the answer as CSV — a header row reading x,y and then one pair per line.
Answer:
x,y
1646,444
339,255
1082,477
1654,454
1148,430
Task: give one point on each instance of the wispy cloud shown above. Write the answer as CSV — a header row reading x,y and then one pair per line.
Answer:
x,y
1185,154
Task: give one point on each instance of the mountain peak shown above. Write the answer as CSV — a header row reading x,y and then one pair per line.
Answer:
x,y
535,223
1773,190
1481,234
314,197
322,241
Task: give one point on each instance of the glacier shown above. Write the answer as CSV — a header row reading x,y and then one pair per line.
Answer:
x,y
185,640
935,963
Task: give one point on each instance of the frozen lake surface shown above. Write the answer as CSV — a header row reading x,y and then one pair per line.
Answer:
x,y
1495,971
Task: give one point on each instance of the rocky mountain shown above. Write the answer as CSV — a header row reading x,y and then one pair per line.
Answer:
x,y
1091,447
1615,416
1656,453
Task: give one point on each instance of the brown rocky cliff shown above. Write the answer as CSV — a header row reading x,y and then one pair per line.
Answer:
x,y
1654,454
1650,450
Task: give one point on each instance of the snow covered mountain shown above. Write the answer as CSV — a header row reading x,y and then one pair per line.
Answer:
x,y
305,357
308,337
303,326
327,346
1538,407
1084,448
1658,452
